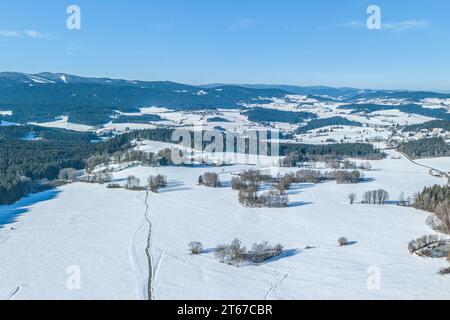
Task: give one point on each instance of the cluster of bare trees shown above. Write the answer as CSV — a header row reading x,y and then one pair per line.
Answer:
x,y
146,158
248,184
262,252
430,246
404,202
347,176
285,182
133,183
445,271
375,196
347,164
94,161
422,242
195,247
317,176
379,196
248,197
97,177
236,254
68,174
312,176
209,179
436,199
164,157
250,178
156,182
273,199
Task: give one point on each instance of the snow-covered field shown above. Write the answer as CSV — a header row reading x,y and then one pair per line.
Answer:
x,y
5,113
79,231
345,134
63,123
442,163
102,234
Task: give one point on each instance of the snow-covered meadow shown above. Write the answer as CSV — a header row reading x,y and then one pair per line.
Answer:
x,y
99,235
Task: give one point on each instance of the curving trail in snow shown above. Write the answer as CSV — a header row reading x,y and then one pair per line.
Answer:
x,y
275,286
15,292
444,174
144,276
148,250
134,253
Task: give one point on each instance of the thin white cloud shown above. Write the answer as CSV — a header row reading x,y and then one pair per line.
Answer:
x,y
351,24
406,25
242,24
394,26
37,35
10,33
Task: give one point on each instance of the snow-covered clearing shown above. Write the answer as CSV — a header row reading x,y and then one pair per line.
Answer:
x,y
442,163
77,230
103,232
63,123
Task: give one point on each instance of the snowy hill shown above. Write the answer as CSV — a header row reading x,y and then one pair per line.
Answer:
x,y
101,234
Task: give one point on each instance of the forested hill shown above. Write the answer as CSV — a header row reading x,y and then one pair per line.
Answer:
x,y
425,148
429,125
91,101
325,122
50,150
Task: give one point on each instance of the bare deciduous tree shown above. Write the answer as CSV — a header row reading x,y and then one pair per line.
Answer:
x,y
156,182
343,241
210,179
195,247
376,197
133,183
68,174
352,198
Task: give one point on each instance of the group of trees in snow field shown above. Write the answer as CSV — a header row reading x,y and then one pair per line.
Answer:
x,y
379,196
236,254
133,183
210,179
249,182
317,176
156,182
68,174
97,177
248,197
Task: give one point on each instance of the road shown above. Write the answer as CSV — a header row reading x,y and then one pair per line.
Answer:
x,y
444,174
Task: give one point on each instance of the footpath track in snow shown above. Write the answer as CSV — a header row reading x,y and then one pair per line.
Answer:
x,y
275,286
144,277
147,249
16,290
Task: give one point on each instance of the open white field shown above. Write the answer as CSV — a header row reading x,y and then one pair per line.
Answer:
x,y
442,163
103,233
63,123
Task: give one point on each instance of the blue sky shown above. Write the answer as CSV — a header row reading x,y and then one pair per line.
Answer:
x,y
303,42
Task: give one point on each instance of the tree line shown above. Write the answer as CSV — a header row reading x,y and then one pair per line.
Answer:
x,y
436,199
425,148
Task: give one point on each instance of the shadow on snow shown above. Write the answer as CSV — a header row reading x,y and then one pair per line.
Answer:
x,y
10,213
